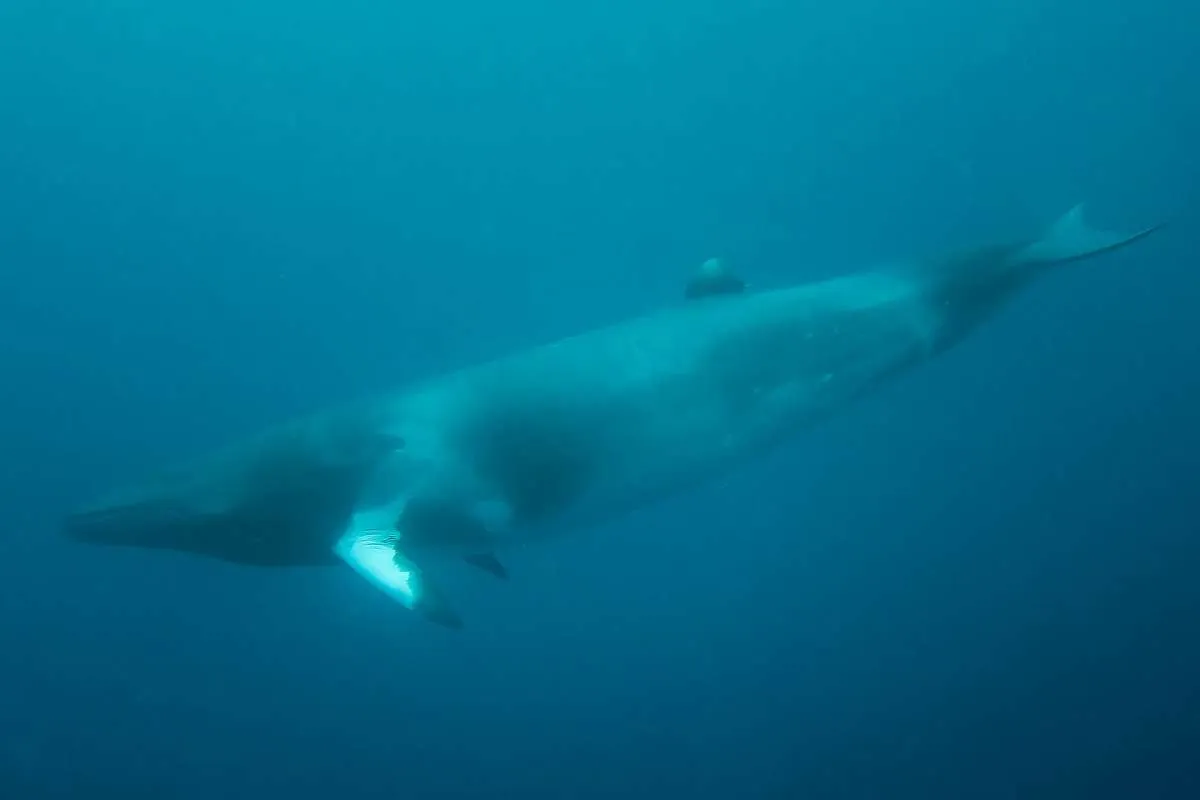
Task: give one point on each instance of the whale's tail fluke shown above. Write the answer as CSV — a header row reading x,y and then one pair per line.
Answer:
x,y
967,287
1070,238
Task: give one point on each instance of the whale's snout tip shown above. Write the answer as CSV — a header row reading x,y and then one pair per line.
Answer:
x,y
89,527
139,524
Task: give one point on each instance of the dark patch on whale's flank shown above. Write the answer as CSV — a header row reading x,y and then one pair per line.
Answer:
x,y
431,519
539,458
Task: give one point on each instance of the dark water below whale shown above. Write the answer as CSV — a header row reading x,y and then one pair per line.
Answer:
x,y
980,583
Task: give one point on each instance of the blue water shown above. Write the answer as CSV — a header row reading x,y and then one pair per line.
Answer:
x,y
980,583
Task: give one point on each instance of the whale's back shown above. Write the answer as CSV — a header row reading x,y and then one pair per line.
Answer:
x,y
603,420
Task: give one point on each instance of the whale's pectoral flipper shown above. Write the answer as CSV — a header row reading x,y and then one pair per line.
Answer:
x,y
488,563
376,555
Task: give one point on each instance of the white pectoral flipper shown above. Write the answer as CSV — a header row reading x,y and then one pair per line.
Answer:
x,y
371,545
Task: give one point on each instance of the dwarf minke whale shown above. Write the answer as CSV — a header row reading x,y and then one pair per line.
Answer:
x,y
574,432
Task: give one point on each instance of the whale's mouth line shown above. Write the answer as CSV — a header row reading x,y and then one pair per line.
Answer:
x,y
124,524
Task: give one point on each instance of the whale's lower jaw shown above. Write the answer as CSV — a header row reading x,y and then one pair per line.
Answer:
x,y
128,524
165,525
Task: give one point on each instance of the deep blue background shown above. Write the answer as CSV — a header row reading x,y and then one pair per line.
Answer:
x,y
980,583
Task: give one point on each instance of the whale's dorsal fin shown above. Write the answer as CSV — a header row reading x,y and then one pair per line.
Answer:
x,y
714,279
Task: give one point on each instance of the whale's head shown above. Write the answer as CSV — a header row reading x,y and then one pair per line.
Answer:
x,y
279,533
155,522
280,500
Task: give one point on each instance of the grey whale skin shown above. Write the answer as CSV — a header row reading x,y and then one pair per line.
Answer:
x,y
572,432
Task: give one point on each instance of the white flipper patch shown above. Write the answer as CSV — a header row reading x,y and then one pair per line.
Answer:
x,y
370,546
374,556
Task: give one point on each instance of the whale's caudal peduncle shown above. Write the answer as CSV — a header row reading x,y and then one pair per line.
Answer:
x,y
576,431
